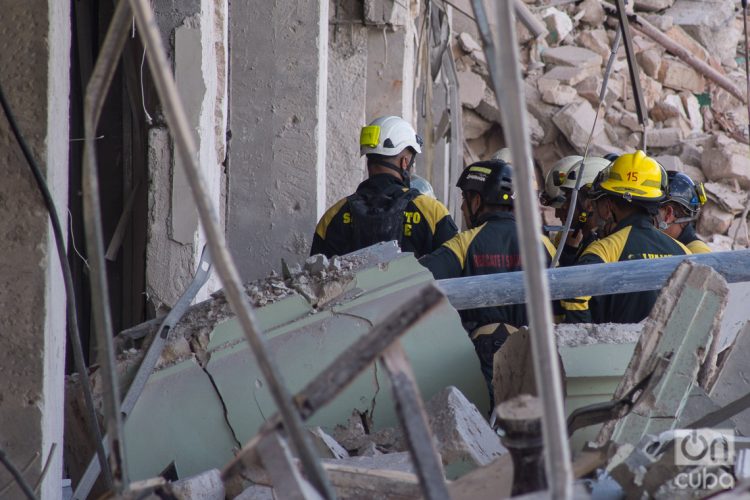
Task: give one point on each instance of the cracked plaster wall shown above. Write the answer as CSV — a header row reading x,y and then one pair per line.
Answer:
x,y
195,31
35,63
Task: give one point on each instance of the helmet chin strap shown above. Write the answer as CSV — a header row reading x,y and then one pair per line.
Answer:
x,y
664,225
405,177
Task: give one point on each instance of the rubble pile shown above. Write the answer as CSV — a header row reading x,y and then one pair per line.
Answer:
x,y
695,126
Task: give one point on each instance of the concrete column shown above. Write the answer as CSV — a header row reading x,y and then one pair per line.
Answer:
x,y
199,52
390,58
347,76
277,174
36,60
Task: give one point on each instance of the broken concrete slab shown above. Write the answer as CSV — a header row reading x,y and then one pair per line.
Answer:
x,y
569,75
576,121
326,445
679,76
592,13
650,61
474,125
683,327
354,482
302,339
490,482
727,197
693,111
256,492
652,5
714,220
738,231
467,43
471,88
669,107
569,55
559,95
400,462
665,137
204,486
710,22
558,23
596,41
462,432
726,159
734,377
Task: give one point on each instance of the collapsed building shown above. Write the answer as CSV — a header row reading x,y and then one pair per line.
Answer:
x,y
274,94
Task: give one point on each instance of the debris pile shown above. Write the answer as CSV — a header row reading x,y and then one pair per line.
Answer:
x,y
688,53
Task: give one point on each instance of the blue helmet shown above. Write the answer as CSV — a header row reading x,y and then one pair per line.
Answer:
x,y
686,193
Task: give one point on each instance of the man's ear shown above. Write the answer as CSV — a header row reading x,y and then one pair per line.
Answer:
x,y
669,213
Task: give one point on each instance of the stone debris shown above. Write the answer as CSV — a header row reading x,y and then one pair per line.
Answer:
x,y
327,446
462,433
691,119
204,486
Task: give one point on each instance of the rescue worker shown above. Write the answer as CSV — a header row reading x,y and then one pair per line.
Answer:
x,y
490,246
384,208
680,210
626,197
558,188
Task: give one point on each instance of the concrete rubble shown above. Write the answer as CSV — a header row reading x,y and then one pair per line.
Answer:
x,y
690,117
673,358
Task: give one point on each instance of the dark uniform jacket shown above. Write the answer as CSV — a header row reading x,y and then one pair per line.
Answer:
x,y
426,222
491,247
690,239
634,238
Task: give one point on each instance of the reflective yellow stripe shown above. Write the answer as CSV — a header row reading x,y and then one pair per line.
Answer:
x,y
325,221
609,249
459,244
432,210
579,304
549,246
697,246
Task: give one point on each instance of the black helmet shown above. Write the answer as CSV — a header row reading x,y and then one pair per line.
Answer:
x,y
491,179
686,193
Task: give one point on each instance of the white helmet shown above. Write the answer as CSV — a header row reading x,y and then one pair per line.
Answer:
x,y
503,154
564,174
388,136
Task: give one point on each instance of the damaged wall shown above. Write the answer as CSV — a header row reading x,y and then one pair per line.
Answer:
x,y
277,158
197,35
35,63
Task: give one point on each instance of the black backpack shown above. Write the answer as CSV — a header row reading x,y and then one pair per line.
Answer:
x,y
378,217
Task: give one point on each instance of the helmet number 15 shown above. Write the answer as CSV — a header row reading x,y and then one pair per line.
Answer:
x,y
632,176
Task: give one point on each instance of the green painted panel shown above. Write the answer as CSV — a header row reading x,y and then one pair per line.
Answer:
x,y
596,360
182,411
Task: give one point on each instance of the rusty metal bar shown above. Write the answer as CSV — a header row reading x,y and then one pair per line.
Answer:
x,y
413,419
96,93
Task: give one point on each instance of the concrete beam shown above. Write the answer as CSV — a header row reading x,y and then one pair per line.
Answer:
x,y
36,62
277,175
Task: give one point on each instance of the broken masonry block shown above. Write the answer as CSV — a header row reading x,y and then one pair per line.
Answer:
x,y
204,486
461,431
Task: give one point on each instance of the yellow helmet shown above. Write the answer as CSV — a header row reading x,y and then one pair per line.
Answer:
x,y
635,177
